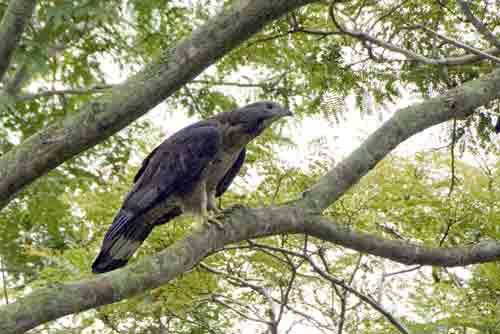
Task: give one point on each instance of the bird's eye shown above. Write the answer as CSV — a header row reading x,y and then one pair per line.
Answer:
x,y
269,106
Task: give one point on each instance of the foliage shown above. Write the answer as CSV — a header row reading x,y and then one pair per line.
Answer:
x,y
73,51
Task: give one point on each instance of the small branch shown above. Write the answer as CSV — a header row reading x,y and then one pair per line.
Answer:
x,y
333,280
4,282
286,296
461,45
75,91
238,312
452,156
228,83
386,45
387,14
295,30
451,61
364,298
269,38
239,282
446,233
480,27
16,16
394,273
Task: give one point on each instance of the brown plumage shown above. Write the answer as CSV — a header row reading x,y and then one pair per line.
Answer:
x,y
184,174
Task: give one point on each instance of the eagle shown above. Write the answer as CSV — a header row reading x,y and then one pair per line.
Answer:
x,y
184,174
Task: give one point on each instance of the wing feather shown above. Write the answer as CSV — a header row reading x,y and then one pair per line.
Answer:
x,y
174,166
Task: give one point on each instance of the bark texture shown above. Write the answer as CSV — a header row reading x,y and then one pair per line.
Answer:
x,y
16,16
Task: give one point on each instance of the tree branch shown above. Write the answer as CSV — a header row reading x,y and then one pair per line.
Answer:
x,y
367,299
48,304
449,61
16,16
74,91
458,102
347,287
126,102
480,27
461,45
239,224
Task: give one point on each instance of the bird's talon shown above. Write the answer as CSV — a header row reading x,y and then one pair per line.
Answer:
x,y
216,222
235,207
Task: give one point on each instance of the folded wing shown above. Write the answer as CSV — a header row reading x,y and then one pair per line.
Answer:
x,y
176,165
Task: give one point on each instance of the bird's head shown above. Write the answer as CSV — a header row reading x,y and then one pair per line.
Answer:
x,y
246,123
262,114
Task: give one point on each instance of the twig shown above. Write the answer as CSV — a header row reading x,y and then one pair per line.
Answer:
x,y
4,282
75,91
387,14
480,27
451,61
452,156
238,312
404,271
328,277
461,45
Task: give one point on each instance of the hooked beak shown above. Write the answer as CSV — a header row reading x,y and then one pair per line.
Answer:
x,y
284,113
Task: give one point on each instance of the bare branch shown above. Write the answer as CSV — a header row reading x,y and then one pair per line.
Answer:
x,y
75,91
480,27
410,55
364,298
239,282
4,282
468,59
387,14
399,272
16,16
238,312
347,287
461,45
294,30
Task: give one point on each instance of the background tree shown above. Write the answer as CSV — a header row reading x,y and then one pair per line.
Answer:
x,y
75,76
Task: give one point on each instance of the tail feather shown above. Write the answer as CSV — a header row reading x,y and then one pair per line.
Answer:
x,y
122,239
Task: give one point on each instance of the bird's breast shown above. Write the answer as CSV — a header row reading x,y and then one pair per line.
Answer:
x,y
219,167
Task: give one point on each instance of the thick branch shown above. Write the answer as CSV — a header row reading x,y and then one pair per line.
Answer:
x,y
12,26
126,102
459,102
239,225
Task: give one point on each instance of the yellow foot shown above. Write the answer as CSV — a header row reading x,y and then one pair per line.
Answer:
x,y
213,219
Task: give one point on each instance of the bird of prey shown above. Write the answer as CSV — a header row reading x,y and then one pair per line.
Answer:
x,y
184,174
